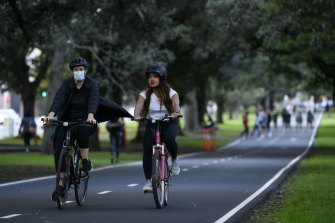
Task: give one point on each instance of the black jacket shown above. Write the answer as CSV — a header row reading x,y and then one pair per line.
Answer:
x,y
108,110
64,94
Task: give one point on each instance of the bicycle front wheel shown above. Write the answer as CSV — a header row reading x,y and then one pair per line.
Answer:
x,y
158,184
63,177
166,182
81,183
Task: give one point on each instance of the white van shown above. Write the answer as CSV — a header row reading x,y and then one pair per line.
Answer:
x,y
10,123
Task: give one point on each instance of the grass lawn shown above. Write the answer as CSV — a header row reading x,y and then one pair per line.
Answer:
x,y
308,196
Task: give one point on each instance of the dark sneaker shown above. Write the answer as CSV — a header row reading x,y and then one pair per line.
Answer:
x,y
54,195
87,166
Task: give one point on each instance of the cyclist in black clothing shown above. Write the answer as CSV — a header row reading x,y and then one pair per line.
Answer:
x,y
77,99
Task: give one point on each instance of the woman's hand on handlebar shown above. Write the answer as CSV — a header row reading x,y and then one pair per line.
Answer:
x,y
175,115
137,118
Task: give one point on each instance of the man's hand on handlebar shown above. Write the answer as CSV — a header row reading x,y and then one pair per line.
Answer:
x,y
51,116
91,119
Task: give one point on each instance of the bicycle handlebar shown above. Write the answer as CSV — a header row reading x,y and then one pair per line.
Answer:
x,y
66,124
165,118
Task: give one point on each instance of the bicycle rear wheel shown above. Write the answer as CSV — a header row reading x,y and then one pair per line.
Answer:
x,y
158,185
63,177
81,183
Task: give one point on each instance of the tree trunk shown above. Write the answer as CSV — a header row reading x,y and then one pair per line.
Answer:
x,y
191,112
28,96
55,81
219,112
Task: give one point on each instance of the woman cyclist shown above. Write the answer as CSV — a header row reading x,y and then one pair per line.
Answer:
x,y
155,101
77,99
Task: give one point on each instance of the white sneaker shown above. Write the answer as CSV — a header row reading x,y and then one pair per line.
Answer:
x,y
175,167
147,188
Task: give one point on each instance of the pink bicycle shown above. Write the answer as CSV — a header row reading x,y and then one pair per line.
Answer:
x,y
161,173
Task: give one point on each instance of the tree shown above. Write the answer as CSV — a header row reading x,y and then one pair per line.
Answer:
x,y
302,32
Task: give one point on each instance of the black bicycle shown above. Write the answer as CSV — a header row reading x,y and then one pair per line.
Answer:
x,y
69,170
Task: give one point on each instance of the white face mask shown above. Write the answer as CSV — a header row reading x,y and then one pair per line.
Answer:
x,y
79,75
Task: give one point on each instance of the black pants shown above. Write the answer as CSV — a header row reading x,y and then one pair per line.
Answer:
x,y
26,138
79,133
169,131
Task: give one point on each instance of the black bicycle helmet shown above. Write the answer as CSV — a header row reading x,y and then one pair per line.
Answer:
x,y
157,69
78,62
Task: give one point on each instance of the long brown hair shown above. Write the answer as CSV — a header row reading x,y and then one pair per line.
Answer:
x,y
162,91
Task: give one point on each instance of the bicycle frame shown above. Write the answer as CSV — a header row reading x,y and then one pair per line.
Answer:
x,y
68,169
161,174
159,148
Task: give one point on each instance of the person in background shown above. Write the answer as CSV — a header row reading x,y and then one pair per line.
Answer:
x,y
298,120
275,118
256,129
310,119
27,129
115,129
245,121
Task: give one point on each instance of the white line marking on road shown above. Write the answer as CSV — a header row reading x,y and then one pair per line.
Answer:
x,y
185,169
105,192
267,184
132,185
205,164
136,163
68,202
10,216
195,166
293,139
26,181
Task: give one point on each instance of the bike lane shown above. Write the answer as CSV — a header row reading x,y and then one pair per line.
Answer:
x,y
212,187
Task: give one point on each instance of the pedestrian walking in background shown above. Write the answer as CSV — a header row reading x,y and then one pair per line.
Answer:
x,y
256,129
245,132
310,119
263,119
298,120
275,118
115,129
286,119
27,130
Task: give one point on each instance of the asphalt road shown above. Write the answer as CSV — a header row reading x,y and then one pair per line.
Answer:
x,y
217,187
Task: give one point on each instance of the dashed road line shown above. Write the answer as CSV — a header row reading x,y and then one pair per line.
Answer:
x,y
132,185
105,192
10,216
